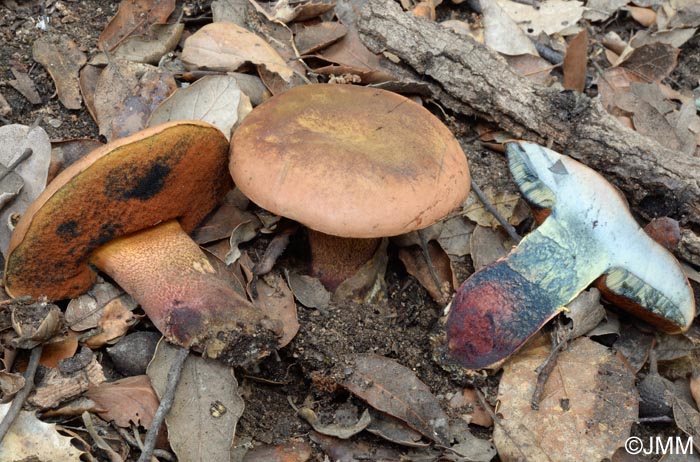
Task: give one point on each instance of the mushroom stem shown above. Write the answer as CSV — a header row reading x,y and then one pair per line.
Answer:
x,y
180,291
335,259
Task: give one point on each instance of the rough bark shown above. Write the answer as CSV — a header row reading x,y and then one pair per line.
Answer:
x,y
470,79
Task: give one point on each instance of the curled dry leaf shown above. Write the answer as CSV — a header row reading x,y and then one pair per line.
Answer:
x,y
218,225
437,283
276,301
224,46
394,430
31,439
84,311
62,59
589,384
392,388
203,419
59,348
216,99
117,318
585,312
124,401
338,430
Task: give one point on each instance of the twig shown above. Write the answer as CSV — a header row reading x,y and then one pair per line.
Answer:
x,y
21,396
659,419
134,443
543,372
487,205
22,157
99,441
166,402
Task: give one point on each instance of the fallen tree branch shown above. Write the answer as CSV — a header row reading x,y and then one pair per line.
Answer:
x,y
470,79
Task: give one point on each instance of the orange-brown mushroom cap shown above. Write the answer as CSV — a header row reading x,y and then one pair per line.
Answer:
x,y
349,161
172,171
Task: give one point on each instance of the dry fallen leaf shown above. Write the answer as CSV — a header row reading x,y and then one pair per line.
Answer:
x,y
309,291
64,153
455,236
117,317
576,62
84,312
202,422
134,18
224,46
550,17
488,245
534,68
291,451
162,39
653,62
588,407
31,439
25,86
509,205
502,34
30,174
62,59
417,266
634,346
127,400
125,95
392,388
216,99
315,37
276,301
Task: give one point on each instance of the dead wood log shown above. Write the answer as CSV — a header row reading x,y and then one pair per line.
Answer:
x,y
470,79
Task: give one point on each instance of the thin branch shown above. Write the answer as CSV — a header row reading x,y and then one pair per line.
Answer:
x,y
166,402
488,206
22,395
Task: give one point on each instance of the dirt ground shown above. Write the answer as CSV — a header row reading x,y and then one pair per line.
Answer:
x,y
399,328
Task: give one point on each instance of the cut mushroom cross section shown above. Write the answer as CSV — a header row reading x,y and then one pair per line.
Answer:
x,y
589,233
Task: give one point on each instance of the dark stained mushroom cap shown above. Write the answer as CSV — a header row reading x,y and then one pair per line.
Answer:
x,y
172,171
349,161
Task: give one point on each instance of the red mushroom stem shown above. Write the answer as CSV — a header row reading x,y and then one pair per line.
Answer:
x,y
167,273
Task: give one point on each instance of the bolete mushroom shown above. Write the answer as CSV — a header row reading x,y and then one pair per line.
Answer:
x,y
126,208
353,164
588,233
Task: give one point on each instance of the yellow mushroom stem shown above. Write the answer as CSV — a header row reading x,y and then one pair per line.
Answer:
x,y
181,292
335,259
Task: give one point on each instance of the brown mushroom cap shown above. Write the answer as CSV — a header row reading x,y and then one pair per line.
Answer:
x,y
349,161
175,170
